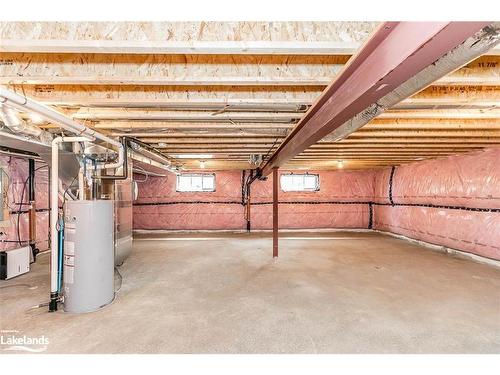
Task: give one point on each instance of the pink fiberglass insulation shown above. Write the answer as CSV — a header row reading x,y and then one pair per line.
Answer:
x,y
461,187
468,180
160,206
436,200
17,169
381,186
312,216
341,186
317,209
163,189
442,201
185,216
470,231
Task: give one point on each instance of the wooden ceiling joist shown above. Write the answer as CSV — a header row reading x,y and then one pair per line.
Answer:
x,y
203,134
406,140
198,140
233,89
288,117
152,125
379,124
362,133
491,113
159,115
248,151
180,47
253,47
335,146
204,70
411,143
152,96
219,97
326,155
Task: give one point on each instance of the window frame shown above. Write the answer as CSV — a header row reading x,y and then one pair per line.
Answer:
x,y
316,175
195,175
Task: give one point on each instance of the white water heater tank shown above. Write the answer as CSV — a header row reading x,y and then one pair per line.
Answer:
x,y
88,271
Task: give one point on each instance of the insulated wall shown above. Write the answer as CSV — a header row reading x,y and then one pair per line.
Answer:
x,y
17,197
339,203
453,201
160,206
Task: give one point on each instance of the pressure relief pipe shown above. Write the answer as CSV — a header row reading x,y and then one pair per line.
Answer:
x,y
60,252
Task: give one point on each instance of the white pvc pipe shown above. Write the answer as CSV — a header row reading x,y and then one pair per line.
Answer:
x,y
23,103
12,120
54,206
81,186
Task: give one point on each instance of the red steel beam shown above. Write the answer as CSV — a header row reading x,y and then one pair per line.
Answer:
x,y
275,212
396,52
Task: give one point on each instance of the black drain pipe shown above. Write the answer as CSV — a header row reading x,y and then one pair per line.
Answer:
x,y
32,208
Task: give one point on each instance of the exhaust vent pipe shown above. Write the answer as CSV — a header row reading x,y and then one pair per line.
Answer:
x,y
16,124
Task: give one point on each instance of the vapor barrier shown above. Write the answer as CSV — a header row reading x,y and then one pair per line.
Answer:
x,y
452,201
340,202
16,204
471,231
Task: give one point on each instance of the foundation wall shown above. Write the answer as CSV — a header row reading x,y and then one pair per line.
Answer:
x,y
17,169
338,204
452,201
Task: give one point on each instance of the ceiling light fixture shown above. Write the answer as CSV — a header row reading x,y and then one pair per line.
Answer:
x,y
202,164
340,164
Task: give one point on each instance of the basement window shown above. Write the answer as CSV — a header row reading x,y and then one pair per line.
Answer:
x,y
299,182
195,182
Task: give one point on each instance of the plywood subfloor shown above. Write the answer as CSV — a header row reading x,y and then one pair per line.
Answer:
x,y
339,292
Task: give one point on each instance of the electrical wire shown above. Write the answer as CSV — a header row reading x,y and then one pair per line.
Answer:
x,y
69,187
145,172
21,203
19,213
270,148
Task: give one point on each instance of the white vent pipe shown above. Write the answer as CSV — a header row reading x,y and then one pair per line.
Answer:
x,y
23,103
12,120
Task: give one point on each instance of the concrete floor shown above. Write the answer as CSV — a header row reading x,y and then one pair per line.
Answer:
x,y
338,292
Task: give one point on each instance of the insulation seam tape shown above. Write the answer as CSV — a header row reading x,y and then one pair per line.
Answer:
x,y
429,205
